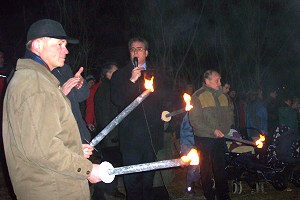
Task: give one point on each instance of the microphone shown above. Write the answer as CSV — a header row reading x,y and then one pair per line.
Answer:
x,y
135,62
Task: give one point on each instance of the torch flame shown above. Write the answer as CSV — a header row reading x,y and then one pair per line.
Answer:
x,y
191,157
149,84
187,98
259,142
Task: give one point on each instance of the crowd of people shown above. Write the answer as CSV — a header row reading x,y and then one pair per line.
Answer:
x,y
262,110
47,134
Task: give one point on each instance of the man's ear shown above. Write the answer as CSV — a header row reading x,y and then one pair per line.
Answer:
x,y
36,44
146,53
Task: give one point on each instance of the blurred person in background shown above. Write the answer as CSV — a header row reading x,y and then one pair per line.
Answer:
x,y
89,104
105,111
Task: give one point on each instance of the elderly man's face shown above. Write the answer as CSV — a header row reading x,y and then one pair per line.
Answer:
x,y
53,51
214,82
137,49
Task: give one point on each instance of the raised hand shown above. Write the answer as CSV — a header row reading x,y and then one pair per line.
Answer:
x,y
135,74
76,81
78,75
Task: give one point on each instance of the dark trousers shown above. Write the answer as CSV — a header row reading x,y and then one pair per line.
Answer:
x,y
212,167
192,175
112,155
139,186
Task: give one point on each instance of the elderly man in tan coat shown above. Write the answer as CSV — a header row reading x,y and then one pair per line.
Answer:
x,y
43,149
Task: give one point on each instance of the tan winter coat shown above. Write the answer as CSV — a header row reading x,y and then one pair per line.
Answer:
x,y
41,138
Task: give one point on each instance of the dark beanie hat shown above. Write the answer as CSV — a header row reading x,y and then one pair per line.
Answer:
x,y
48,28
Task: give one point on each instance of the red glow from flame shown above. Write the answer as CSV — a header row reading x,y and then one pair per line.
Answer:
x,y
191,157
259,143
187,98
149,84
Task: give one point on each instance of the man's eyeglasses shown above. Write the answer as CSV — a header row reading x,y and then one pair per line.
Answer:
x,y
138,49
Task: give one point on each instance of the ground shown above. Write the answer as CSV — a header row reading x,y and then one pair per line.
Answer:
x,y
176,188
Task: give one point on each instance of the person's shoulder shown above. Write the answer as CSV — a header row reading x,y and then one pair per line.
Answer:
x,y
66,69
121,72
200,91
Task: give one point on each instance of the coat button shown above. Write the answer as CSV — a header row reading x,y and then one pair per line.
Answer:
x,y
79,169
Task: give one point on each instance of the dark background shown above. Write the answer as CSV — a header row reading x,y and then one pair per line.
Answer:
x,y
252,43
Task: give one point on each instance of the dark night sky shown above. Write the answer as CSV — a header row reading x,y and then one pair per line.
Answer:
x,y
17,15
110,23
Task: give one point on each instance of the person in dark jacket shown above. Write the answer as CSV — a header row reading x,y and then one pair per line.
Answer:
x,y
272,104
105,111
141,131
76,95
256,114
286,114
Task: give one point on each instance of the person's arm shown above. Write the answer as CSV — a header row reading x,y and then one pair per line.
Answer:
x,y
123,90
187,141
83,93
75,83
82,90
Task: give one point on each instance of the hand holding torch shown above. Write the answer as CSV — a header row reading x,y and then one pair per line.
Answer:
x,y
258,143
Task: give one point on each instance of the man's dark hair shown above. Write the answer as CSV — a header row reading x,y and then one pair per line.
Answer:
x,y
138,39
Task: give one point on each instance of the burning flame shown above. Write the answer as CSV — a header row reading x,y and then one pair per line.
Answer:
x,y
149,84
187,98
191,157
259,143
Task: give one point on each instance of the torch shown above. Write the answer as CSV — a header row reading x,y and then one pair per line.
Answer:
x,y
258,143
108,172
167,116
125,112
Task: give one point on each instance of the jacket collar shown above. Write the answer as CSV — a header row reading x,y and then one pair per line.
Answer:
x,y
215,92
36,58
36,66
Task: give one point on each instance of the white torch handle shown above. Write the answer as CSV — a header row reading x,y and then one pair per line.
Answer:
x,y
104,175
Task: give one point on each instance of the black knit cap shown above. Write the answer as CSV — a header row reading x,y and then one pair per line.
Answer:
x,y
48,28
